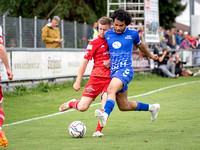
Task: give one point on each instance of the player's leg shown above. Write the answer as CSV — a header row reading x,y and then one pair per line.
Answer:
x,y
81,105
3,140
104,86
99,128
115,85
125,105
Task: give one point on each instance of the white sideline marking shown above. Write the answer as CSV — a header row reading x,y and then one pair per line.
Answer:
x,y
151,92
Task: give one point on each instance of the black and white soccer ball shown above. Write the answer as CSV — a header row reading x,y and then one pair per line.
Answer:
x,y
77,129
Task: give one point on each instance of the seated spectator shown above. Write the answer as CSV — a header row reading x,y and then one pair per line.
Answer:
x,y
185,44
165,63
179,70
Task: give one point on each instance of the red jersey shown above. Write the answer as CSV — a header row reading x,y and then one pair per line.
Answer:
x,y
1,40
98,50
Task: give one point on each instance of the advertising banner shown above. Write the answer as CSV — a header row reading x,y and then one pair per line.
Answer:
x,y
47,64
151,21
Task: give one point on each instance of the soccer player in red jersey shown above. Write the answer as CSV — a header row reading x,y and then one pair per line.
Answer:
x,y
100,75
4,58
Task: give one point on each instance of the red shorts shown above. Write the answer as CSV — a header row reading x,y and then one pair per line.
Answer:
x,y
95,86
1,95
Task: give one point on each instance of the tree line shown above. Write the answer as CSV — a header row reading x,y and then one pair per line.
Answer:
x,y
80,10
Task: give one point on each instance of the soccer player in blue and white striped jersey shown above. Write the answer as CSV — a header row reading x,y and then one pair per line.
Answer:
x,y
121,41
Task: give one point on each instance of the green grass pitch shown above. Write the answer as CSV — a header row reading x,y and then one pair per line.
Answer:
x,y
177,125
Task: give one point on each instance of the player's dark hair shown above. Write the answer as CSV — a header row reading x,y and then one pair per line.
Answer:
x,y
105,21
122,15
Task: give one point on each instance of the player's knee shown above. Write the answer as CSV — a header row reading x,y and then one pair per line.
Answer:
x,y
82,108
122,108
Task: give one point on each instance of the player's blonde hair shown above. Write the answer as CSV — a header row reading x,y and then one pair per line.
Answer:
x,y
105,21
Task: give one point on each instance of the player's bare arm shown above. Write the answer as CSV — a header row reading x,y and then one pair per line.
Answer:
x,y
143,48
81,71
4,58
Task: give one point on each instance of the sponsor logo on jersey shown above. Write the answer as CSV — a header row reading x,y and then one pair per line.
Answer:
x,y
128,37
89,47
90,88
116,45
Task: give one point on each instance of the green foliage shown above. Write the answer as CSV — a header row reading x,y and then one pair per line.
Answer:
x,y
168,11
74,10
42,87
20,90
81,11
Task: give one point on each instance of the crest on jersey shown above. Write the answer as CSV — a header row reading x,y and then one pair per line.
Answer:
x,y
116,45
89,47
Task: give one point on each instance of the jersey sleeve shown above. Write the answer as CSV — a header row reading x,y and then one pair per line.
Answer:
x,y
1,37
136,38
90,50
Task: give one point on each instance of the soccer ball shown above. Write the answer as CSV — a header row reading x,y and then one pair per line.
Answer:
x,y
77,129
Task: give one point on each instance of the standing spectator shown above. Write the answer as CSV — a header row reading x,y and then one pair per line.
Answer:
x,y
4,58
178,38
185,34
167,37
161,33
163,43
94,32
185,44
172,39
51,34
193,42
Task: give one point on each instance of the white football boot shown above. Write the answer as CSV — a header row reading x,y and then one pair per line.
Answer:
x,y
98,134
154,111
102,117
65,106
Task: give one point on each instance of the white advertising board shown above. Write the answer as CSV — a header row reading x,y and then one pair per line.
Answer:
x,y
151,21
46,64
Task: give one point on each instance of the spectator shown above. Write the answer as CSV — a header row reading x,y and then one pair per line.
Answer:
x,y
163,43
94,32
185,34
161,33
193,42
179,70
51,34
172,39
12,43
167,37
165,63
185,44
178,38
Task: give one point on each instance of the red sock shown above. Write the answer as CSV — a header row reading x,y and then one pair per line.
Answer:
x,y
99,128
1,118
73,104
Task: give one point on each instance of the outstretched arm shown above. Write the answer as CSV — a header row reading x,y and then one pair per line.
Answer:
x,y
81,71
143,48
4,58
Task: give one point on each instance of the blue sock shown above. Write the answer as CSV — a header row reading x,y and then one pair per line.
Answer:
x,y
142,106
109,106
